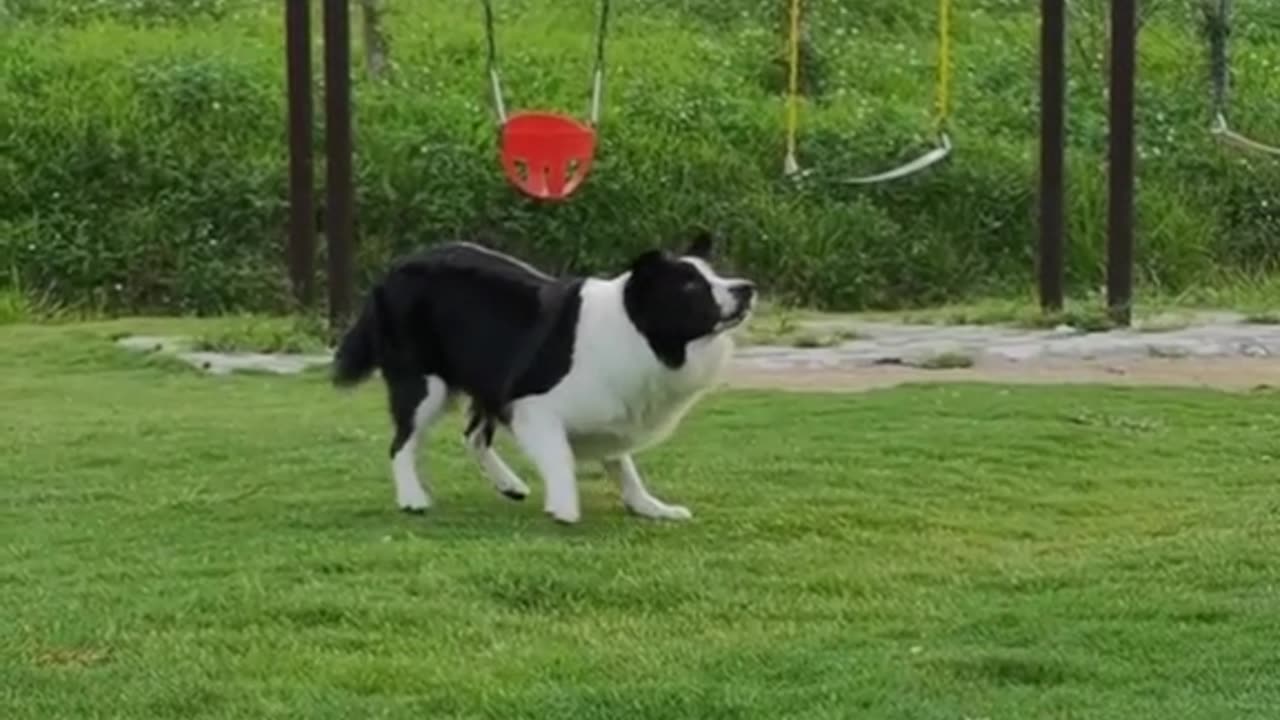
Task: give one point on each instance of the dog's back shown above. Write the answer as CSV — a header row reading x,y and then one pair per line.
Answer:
x,y
486,324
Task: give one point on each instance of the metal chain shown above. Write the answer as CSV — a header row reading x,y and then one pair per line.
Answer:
x,y
495,78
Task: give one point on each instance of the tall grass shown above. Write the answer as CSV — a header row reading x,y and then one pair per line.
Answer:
x,y
142,155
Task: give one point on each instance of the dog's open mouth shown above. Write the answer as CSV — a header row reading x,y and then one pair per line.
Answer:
x,y
738,317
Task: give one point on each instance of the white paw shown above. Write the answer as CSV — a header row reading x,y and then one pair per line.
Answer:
x,y
412,499
566,512
657,510
566,517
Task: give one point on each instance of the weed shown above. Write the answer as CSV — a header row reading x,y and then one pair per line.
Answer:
x,y
1265,317
953,360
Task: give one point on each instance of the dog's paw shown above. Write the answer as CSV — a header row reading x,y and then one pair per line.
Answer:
x,y
655,510
514,494
513,488
413,501
675,512
565,516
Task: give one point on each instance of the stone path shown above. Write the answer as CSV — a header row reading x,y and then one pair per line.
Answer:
x,y
217,363
1214,350
1239,374
1218,350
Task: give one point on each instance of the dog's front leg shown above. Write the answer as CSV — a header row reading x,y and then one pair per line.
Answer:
x,y
636,497
541,435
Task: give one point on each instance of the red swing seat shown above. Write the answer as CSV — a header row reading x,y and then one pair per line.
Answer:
x,y
547,155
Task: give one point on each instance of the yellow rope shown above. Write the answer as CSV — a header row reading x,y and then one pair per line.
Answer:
x,y
944,66
793,82
943,92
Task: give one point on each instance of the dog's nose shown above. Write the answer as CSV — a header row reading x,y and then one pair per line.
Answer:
x,y
744,292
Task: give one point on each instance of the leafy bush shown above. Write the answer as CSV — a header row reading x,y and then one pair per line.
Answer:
x,y
143,163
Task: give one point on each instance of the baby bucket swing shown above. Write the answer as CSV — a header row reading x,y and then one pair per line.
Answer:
x,y
940,151
544,154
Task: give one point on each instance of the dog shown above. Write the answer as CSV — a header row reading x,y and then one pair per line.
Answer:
x,y
576,369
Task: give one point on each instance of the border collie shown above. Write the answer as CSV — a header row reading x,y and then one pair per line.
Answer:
x,y
575,368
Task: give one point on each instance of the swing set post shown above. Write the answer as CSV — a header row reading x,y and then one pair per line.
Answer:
x,y
339,210
1120,162
302,222
1053,91
339,225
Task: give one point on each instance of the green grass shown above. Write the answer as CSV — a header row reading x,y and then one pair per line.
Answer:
x,y
13,307
252,333
1089,315
180,546
1156,309
1256,299
777,324
815,339
1263,318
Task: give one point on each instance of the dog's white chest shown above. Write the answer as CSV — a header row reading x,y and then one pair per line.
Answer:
x,y
630,413
645,421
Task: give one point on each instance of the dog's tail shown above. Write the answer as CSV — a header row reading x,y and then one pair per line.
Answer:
x,y
362,347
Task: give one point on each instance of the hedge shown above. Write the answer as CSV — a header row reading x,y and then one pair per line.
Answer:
x,y
143,157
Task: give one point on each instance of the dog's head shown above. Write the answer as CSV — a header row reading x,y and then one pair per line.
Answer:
x,y
676,299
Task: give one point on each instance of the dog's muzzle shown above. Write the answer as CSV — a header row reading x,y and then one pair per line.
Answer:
x,y
744,296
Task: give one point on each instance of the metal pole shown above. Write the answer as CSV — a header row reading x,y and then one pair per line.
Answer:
x,y
1124,32
340,205
1053,101
302,232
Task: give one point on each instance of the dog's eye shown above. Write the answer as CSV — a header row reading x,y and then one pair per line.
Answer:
x,y
690,287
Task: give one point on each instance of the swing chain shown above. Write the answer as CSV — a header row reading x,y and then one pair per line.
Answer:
x,y
1218,22
943,100
495,81
942,103
597,74
495,78
790,165
1218,25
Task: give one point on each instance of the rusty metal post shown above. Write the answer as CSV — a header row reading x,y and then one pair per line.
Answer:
x,y
1120,211
1053,102
301,251
340,203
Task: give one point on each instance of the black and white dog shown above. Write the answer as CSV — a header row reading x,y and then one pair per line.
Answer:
x,y
576,368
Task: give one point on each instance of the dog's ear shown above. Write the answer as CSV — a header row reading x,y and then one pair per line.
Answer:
x,y
646,260
702,244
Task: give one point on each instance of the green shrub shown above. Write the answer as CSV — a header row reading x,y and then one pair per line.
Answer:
x,y
143,162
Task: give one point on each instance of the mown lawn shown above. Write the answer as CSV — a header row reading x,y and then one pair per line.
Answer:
x,y
178,546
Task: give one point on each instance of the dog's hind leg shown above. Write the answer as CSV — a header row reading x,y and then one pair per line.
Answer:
x,y
479,439
416,403
636,497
